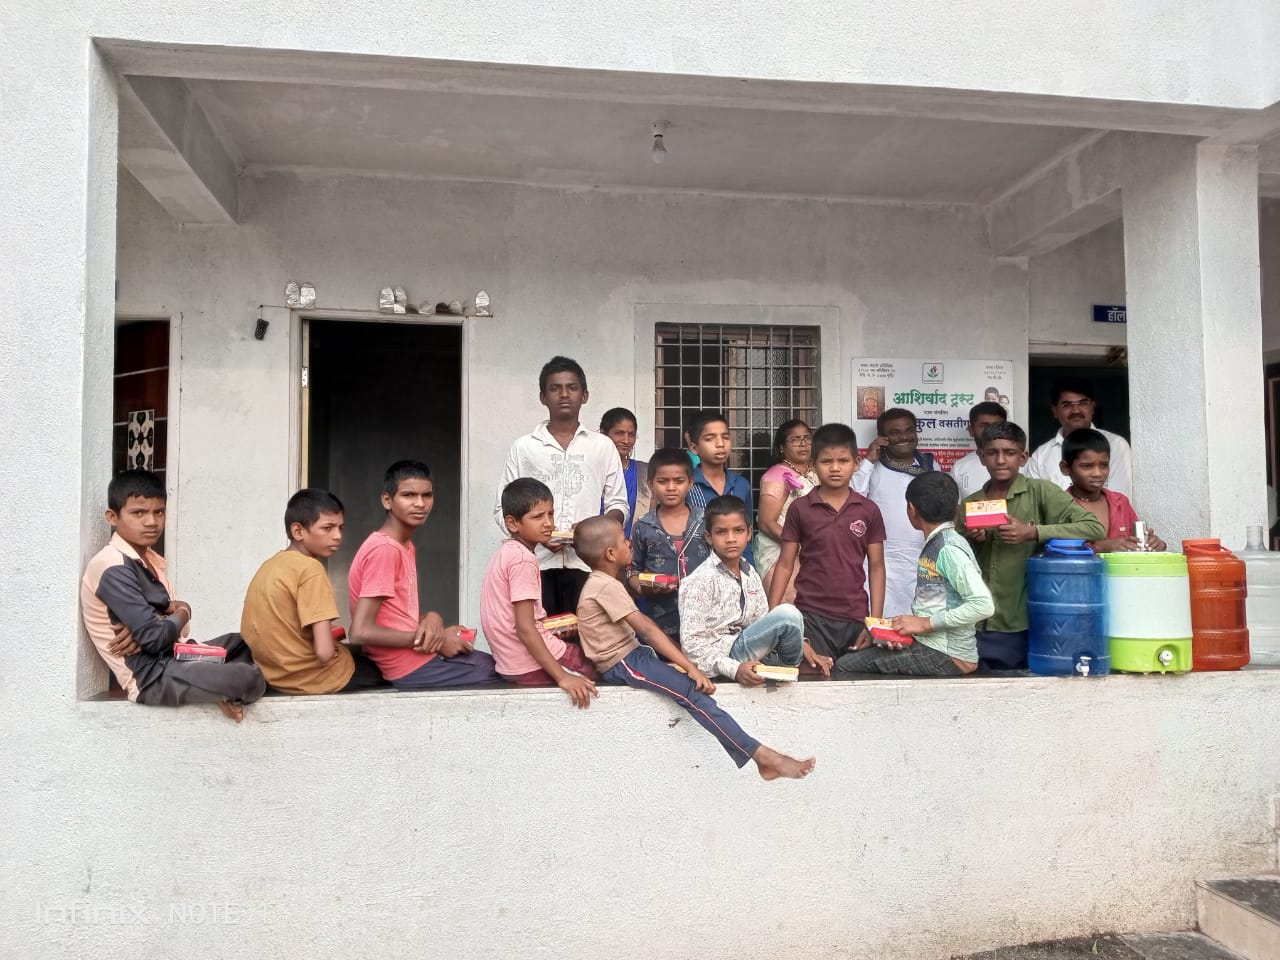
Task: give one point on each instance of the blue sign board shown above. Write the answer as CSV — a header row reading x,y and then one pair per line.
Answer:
x,y
1109,313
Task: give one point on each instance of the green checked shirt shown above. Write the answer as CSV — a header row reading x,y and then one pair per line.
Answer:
x,y
1004,565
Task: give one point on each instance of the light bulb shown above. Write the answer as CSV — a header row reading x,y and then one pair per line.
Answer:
x,y
659,152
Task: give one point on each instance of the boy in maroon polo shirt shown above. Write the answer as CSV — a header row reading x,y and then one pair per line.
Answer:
x,y
838,530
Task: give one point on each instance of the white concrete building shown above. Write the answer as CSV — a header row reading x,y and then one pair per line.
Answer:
x,y
892,179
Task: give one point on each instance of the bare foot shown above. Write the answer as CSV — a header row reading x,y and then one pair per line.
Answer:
x,y
232,711
773,765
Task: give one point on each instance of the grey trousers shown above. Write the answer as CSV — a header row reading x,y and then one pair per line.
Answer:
x,y
916,660
184,681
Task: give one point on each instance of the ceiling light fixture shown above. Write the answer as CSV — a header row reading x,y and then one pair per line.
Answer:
x,y
659,152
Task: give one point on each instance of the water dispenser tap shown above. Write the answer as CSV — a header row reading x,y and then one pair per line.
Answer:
x,y
1082,666
1166,657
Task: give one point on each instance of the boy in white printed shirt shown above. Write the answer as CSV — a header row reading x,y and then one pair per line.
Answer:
x,y
580,466
726,626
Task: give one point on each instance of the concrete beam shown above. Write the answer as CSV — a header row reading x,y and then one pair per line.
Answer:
x,y
169,145
1075,193
663,89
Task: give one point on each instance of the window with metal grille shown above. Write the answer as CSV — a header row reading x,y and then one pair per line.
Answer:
x,y
759,376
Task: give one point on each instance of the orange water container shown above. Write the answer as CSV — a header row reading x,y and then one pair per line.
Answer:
x,y
1219,631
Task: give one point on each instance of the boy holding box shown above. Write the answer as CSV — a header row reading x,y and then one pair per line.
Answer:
x,y
526,650
290,609
950,595
133,618
609,625
668,541
1035,511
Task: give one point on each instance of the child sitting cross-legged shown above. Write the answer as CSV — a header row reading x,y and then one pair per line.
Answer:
x,y
950,595
609,625
511,610
133,618
726,626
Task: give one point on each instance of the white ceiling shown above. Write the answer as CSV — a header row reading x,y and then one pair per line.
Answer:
x,y
580,140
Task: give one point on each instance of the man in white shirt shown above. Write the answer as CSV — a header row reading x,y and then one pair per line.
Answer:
x,y
969,472
580,466
1072,403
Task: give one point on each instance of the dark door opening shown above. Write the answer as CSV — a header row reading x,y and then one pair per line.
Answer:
x,y
1110,384
377,393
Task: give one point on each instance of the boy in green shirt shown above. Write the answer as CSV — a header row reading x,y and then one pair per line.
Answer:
x,y
950,595
1038,511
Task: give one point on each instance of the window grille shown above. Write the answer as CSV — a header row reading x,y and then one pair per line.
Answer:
x,y
759,376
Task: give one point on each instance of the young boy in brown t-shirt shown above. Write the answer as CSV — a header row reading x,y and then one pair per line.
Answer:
x,y
608,625
289,607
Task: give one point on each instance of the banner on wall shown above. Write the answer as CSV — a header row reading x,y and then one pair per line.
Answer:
x,y
938,392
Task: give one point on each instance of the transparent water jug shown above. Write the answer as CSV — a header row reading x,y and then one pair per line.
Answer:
x,y
1262,567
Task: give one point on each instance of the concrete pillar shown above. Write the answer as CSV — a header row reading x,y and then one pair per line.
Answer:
x,y
57,312
1195,336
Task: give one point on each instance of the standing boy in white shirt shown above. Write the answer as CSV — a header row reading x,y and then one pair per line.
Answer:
x,y
1072,403
580,466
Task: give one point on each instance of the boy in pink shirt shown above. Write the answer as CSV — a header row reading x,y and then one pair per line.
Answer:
x,y
414,651
511,610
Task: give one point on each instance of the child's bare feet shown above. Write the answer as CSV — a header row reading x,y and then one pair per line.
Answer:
x,y
773,765
233,711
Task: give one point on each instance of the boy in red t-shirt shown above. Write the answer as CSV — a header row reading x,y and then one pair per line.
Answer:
x,y
1086,459
838,529
414,651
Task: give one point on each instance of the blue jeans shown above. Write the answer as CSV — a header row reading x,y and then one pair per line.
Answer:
x,y
777,638
644,670
464,670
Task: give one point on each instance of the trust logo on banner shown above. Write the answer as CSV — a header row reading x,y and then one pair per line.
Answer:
x,y
932,373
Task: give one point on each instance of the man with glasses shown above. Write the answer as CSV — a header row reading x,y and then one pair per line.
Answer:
x,y
1072,403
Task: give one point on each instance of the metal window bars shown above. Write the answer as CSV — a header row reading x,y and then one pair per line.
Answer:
x,y
758,376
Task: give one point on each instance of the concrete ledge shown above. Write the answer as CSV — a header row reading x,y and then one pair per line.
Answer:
x,y
945,816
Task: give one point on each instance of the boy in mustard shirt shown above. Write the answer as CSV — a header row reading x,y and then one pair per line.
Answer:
x,y
289,608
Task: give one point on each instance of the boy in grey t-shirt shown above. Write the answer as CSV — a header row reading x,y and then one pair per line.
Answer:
x,y
950,594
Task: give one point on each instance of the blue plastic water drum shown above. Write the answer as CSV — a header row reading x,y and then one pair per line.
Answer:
x,y
1066,610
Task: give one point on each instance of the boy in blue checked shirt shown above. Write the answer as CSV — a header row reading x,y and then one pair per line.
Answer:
x,y
669,539
711,442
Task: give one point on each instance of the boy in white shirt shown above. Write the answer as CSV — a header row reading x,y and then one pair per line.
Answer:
x,y
580,466
726,626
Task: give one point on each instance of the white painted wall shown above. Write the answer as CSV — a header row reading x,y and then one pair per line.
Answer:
x,y
1063,286
565,270
943,817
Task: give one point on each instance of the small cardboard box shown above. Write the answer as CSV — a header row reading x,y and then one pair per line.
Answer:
x,y
560,621
771,672
199,653
467,633
982,514
882,632
562,536
660,579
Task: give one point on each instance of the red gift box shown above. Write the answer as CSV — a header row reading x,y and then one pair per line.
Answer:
x,y
882,632
982,514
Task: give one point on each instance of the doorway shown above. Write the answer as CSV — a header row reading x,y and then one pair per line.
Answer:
x,y
1109,376
375,393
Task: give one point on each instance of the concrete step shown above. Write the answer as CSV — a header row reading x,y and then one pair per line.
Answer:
x,y
1110,946
1177,946
1243,915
